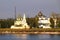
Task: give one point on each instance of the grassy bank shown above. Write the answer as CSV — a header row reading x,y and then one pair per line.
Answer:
x,y
31,30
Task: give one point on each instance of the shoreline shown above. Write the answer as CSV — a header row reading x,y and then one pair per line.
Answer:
x,y
29,31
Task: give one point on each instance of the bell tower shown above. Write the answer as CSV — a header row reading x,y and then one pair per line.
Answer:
x,y
24,18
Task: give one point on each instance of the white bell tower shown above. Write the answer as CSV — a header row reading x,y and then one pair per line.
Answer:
x,y
24,18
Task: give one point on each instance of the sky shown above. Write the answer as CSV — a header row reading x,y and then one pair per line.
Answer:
x,y
29,7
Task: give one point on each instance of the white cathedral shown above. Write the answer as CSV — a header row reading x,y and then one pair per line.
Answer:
x,y
20,23
43,22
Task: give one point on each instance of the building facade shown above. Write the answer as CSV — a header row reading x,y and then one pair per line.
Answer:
x,y
20,23
43,22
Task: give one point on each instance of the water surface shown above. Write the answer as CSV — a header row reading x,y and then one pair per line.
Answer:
x,y
28,37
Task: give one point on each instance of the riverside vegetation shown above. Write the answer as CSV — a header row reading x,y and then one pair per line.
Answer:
x,y
32,22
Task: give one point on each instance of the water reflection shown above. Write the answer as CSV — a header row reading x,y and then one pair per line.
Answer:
x,y
33,37
20,36
44,37
28,37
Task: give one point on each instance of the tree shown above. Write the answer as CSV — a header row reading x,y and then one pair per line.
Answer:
x,y
52,22
6,23
32,22
57,17
58,23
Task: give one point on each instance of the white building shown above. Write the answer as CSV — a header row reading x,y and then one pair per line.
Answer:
x,y
20,23
43,22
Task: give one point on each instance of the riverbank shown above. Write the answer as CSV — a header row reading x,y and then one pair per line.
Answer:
x,y
29,31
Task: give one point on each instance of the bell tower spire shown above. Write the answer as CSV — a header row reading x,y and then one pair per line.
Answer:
x,y
24,18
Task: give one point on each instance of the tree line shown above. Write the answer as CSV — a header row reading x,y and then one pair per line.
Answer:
x,y
32,22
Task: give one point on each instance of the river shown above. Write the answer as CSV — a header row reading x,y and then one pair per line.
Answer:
x,y
28,37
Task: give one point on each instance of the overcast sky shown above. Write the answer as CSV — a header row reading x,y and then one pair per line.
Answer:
x,y
29,7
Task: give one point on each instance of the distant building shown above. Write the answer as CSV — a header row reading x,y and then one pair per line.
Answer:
x,y
20,23
43,22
